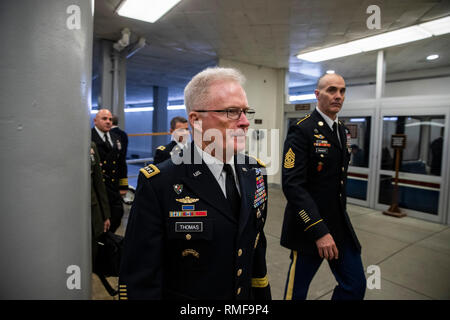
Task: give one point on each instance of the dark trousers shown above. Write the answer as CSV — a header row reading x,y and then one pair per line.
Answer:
x,y
348,271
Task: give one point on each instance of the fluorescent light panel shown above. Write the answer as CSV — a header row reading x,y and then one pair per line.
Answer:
x,y
380,41
302,97
176,107
145,10
437,27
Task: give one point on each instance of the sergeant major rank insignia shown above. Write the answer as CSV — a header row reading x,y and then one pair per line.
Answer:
x,y
289,159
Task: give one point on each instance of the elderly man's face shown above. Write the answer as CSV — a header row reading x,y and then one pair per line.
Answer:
x,y
223,95
103,120
330,95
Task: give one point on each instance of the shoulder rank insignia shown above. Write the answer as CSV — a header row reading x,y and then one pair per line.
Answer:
x,y
150,170
162,148
306,117
187,199
261,163
289,159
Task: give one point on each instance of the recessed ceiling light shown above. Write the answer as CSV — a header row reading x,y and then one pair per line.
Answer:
x,y
432,57
380,41
330,71
145,10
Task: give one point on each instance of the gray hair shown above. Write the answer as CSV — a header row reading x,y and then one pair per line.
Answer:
x,y
196,91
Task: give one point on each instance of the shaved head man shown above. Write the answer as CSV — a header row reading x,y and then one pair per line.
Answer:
x,y
103,120
113,162
316,224
330,94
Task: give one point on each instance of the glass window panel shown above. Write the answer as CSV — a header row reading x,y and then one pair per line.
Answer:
x,y
414,195
424,141
359,128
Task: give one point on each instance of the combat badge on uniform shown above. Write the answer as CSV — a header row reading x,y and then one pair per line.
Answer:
x,y
289,159
150,170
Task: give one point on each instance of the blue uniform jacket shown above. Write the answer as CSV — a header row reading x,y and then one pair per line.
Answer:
x,y
314,179
183,242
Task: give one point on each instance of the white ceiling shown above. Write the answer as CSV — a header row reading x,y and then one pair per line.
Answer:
x,y
196,33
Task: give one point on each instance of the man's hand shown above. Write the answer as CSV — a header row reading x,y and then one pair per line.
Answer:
x,y
106,225
123,193
327,248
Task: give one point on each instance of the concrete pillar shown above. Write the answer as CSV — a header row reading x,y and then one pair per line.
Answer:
x,y
45,96
160,103
113,79
375,155
106,74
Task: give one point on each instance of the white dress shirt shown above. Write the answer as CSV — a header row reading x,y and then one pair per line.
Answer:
x,y
102,135
216,168
330,121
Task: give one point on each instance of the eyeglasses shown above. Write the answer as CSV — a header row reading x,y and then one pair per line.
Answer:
x,y
234,113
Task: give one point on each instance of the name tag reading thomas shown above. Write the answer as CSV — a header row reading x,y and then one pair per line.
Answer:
x,y
188,226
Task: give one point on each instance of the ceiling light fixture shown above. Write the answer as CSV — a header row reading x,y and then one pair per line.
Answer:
x,y
432,57
380,41
437,27
302,97
145,10
330,71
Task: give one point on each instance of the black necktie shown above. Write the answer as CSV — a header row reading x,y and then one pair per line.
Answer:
x,y
232,192
336,133
108,144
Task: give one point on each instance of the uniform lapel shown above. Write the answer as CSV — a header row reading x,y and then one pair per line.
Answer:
x,y
201,181
101,144
247,186
343,135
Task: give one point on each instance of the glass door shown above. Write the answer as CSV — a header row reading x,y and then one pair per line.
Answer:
x,y
360,126
421,185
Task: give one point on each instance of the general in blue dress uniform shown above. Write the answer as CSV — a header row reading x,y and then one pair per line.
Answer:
x,y
195,229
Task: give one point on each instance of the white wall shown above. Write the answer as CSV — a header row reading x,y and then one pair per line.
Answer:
x,y
433,86
265,88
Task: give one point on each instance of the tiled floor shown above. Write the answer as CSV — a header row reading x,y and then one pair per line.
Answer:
x,y
413,256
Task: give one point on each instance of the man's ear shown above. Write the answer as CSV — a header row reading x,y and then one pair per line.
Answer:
x,y
193,118
316,92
